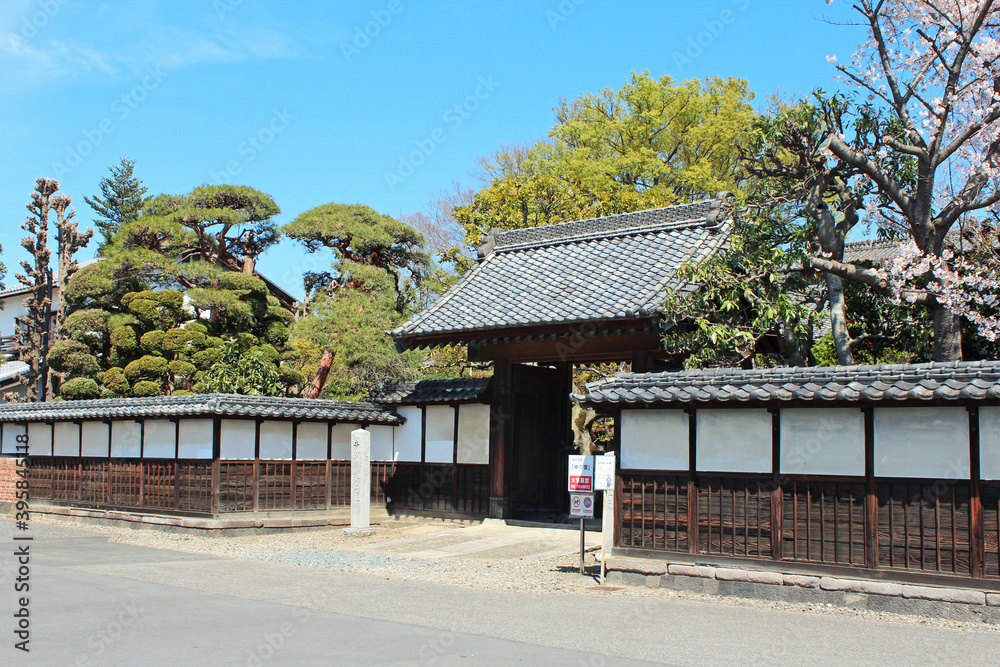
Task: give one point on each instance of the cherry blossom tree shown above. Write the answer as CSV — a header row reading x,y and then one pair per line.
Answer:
x,y
930,74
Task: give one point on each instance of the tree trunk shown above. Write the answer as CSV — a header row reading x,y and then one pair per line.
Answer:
x,y
325,362
838,319
947,334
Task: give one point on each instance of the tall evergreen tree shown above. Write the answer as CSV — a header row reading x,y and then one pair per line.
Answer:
x,y
121,200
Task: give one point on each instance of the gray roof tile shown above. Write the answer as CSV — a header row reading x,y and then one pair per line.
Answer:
x,y
432,391
970,380
201,405
619,265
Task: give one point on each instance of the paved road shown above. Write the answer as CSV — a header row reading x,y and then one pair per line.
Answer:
x,y
100,603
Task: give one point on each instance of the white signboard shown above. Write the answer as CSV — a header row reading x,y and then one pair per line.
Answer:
x,y
604,472
581,474
581,505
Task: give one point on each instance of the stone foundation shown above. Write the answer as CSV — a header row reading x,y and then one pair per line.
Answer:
x,y
957,604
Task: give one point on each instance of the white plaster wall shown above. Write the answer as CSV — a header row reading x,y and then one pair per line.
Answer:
x,y
276,440
440,434
126,439
655,440
406,439
989,442
195,439
341,441
40,439
381,442
822,441
95,439
237,438
733,440
474,433
159,439
8,439
310,442
66,439
922,442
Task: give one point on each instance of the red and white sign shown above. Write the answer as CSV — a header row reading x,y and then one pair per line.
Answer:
x,y
581,474
581,505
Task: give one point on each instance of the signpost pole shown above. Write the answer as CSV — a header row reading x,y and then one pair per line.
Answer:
x,y
603,554
583,543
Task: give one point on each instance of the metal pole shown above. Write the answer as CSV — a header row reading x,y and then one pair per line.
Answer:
x,y
602,543
582,546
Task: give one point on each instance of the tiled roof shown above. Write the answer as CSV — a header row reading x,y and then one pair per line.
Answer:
x,y
969,380
201,405
876,252
10,369
432,391
614,268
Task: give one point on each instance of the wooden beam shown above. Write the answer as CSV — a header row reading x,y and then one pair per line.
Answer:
x,y
692,486
871,501
575,349
501,430
977,543
777,504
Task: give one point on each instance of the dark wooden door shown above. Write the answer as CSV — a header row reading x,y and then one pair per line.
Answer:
x,y
541,437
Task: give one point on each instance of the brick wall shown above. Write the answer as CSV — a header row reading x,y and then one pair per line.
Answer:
x,y
8,476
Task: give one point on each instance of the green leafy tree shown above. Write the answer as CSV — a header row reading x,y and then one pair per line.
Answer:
x,y
120,202
654,142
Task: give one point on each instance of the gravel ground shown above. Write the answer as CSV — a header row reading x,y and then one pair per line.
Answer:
x,y
331,549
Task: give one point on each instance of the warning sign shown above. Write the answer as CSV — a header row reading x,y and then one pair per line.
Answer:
x,y
604,472
581,505
581,474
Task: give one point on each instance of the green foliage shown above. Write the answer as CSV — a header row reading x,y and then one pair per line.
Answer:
x,y
89,327
115,383
72,357
79,389
654,142
203,359
146,388
184,369
728,303
360,235
147,367
152,341
123,338
242,371
121,200
155,308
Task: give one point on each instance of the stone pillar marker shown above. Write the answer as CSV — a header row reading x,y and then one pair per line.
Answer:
x,y
361,483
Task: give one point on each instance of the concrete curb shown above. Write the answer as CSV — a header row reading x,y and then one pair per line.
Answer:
x,y
959,604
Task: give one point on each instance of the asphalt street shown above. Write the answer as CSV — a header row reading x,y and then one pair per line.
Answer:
x,y
95,602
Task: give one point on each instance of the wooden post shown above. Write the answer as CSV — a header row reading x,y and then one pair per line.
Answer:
x,y
977,543
256,466
329,453
777,502
501,409
216,454
692,486
295,438
871,501
142,461
454,466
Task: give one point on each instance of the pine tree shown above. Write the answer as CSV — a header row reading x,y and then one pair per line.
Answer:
x,y
121,201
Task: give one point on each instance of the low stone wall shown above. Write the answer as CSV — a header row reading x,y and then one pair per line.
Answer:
x,y
959,604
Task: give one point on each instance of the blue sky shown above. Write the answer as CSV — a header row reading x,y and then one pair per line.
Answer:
x,y
382,103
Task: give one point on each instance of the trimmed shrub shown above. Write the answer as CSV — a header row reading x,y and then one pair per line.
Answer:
x,y
152,340
147,367
179,368
74,358
204,359
79,389
146,388
115,383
